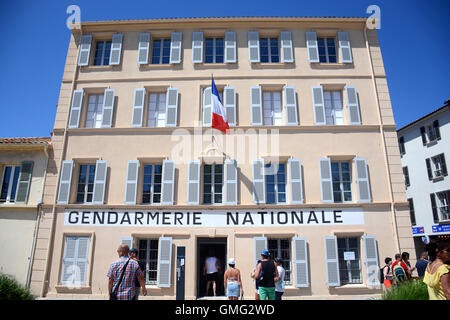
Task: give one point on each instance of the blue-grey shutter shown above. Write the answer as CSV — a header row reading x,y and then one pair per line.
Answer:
x,y
101,169
197,47
260,243
301,262
171,107
313,49
259,184
143,47
345,50
164,262
85,50
295,180
168,182
230,47
326,184
75,261
24,182
175,47
108,108
193,196
319,105
256,106
253,46
371,261
290,103
332,261
132,181
116,49
65,182
75,109
229,97
138,107
353,105
362,180
287,53
231,182
207,107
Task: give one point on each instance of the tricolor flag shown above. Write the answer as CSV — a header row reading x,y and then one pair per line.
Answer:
x,y
219,115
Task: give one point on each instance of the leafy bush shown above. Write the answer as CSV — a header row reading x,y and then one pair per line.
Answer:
x,y
10,289
409,290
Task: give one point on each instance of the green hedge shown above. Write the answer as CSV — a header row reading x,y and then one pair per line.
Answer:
x,y
10,289
409,290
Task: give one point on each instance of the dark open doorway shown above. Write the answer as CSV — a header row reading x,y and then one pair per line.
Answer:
x,y
218,247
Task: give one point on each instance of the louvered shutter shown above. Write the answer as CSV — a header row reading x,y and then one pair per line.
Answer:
x,y
260,243
258,181
175,47
290,103
353,105
116,49
256,106
332,261
326,185
422,133
313,49
193,182
143,48
429,170
287,54
231,182
371,262
138,107
345,50
164,262
253,46
128,241
230,47
132,181
207,107
301,262
229,94
69,261
319,106
85,50
82,259
197,47
108,108
362,180
75,109
434,208
168,181
24,182
65,182
436,129
101,169
172,107
295,180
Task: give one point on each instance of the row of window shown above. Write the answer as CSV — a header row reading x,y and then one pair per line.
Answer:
x,y
430,134
153,183
436,169
440,207
268,107
217,49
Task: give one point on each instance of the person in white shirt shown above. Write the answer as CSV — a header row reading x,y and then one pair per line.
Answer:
x,y
210,270
279,285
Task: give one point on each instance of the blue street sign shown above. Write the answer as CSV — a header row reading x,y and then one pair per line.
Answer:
x,y
442,228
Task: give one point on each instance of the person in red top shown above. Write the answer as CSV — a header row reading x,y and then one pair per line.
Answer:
x,y
401,259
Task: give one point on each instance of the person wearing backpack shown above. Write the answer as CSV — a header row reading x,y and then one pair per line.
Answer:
x,y
386,273
400,270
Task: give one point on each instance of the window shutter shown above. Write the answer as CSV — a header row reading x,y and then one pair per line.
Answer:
x,y
260,245
301,262
75,110
256,106
443,166
175,47
229,94
207,107
253,46
295,180
116,49
168,181
230,47
65,181
422,133
24,182
101,169
313,49
372,269
194,182
326,185
353,105
290,102
82,258
319,106
287,54
197,47
332,262
362,180
138,107
434,208
128,241
143,48
436,129
132,181
69,261
429,171
164,262
85,50
259,184
345,50
172,107
108,108
231,181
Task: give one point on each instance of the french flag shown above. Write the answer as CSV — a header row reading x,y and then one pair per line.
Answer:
x,y
219,115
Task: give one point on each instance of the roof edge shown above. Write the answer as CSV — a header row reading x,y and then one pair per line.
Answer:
x,y
447,105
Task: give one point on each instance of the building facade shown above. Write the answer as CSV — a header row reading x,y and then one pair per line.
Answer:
x,y
310,168
424,146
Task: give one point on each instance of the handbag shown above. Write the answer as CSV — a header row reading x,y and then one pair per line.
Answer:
x,y
113,294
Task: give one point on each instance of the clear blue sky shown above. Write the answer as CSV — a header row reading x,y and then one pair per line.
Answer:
x,y
414,40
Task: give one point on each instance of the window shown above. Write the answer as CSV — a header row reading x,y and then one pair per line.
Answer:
x,y
406,174
411,212
272,109
148,252
430,133
94,113
85,188
9,181
334,111
275,183
342,181
349,270
444,204
75,261
151,183
102,52
281,248
436,167
156,116
327,50
269,50
214,50
212,183
401,145
161,51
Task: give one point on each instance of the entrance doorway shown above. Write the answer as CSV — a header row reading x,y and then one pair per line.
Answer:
x,y
217,247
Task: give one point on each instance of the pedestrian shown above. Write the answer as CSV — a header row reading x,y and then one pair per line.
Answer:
x,y
437,273
133,255
405,258
421,264
270,276
387,273
122,274
232,281
256,281
279,285
210,271
400,270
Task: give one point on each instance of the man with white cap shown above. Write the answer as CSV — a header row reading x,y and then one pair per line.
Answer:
x,y
232,281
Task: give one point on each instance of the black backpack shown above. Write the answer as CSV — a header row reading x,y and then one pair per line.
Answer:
x,y
382,275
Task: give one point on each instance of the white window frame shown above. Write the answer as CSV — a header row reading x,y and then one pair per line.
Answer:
x,y
288,267
76,260
160,50
157,112
271,108
11,182
214,49
269,51
213,191
348,262
437,164
152,184
103,52
430,130
327,55
85,192
444,204
148,259
98,112
334,110
276,183
341,181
